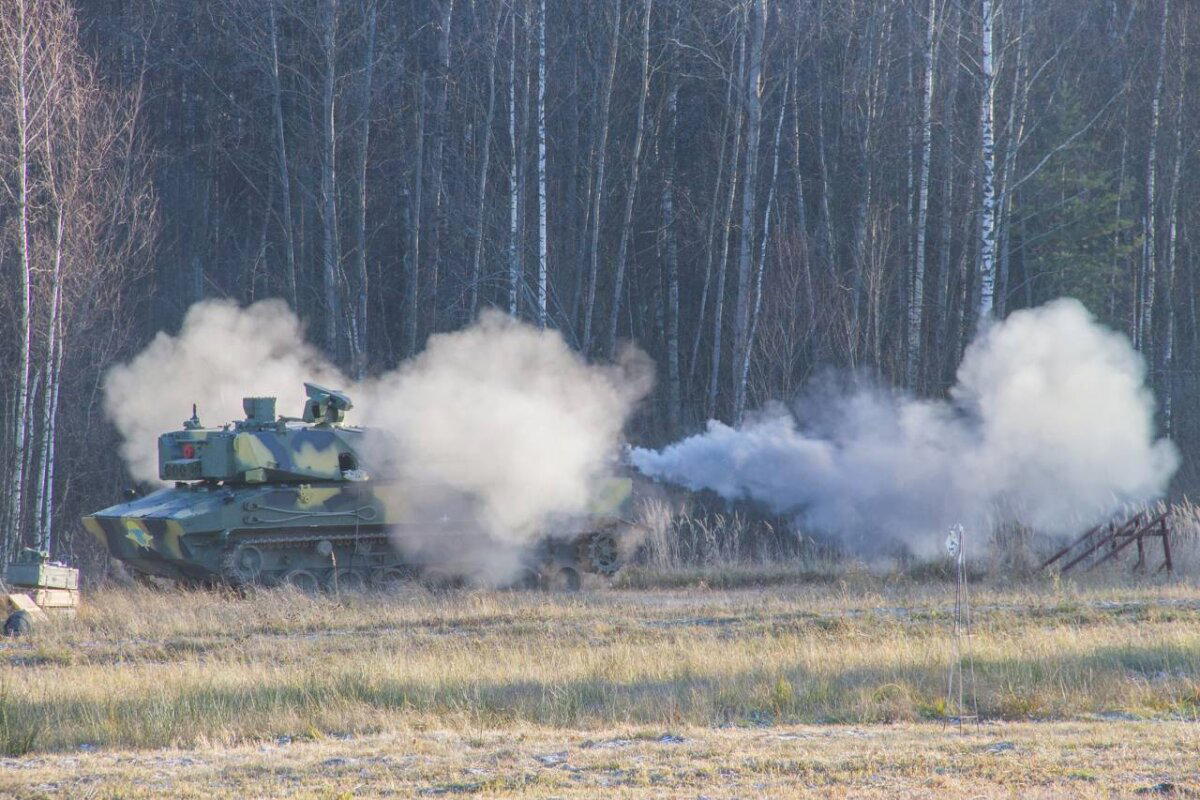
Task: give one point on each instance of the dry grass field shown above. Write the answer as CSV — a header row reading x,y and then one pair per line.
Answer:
x,y
828,688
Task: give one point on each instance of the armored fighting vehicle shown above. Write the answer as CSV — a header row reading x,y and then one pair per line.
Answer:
x,y
289,500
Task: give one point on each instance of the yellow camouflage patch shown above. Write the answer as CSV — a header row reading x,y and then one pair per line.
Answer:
x,y
311,496
136,532
319,462
92,526
251,453
171,540
612,495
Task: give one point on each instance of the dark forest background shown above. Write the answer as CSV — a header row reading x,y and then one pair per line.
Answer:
x,y
751,190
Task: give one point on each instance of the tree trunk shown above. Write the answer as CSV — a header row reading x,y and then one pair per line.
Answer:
x,y
753,100
631,191
329,235
441,124
801,210
541,162
281,158
1149,229
412,318
485,159
358,339
41,525
916,298
709,245
987,182
744,371
24,274
597,199
944,324
671,249
735,160
1014,133
514,181
1168,355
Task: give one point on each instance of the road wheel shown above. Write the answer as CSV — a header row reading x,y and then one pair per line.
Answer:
x,y
19,623
304,580
390,579
604,553
437,581
350,580
565,579
242,565
526,580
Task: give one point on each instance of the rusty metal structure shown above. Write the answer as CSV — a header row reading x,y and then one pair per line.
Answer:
x,y
1104,542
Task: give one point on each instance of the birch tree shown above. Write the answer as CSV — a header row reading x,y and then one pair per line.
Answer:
x,y
515,271
1149,227
484,163
1168,354
330,250
541,164
281,157
359,355
916,298
987,181
635,159
20,40
753,99
597,199
671,251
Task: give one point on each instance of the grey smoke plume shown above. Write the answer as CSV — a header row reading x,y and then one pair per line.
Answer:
x,y
500,412
1049,422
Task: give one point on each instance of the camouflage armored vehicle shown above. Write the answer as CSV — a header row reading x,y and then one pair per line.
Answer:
x,y
268,501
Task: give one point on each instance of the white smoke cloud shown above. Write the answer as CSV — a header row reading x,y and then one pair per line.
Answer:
x,y
500,425
1049,422
221,354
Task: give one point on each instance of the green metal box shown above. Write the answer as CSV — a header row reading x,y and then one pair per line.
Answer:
x,y
33,569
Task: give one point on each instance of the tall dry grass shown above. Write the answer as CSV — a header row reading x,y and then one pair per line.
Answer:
x,y
685,544
145,669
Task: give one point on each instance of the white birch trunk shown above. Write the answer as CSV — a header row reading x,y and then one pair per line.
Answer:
x,y
514,181
589,305
753,100
916,299
987,182
24,276
1150,228
674,392
281,156
735,160
1168,355
801,210
437,158
639,136
358,337
413,296
48,461
709,244
41,525
329,237
756,310
484,162
541,162
1014,133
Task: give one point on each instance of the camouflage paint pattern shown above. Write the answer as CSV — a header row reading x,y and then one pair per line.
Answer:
x,y
283,487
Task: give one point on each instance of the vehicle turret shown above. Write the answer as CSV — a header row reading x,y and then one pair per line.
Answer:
x,y
263,448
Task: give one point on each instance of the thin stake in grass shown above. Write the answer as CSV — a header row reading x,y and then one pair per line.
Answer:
x,y
956,546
